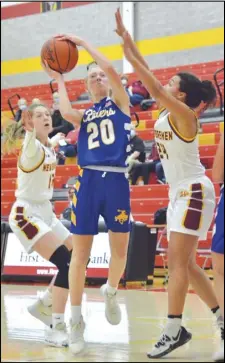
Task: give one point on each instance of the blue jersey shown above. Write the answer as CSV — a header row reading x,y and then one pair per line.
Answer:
x,y
104,136
218,230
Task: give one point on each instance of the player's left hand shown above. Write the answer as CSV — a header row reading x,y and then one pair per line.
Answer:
x,y
26,121
73,38
53,74
119,23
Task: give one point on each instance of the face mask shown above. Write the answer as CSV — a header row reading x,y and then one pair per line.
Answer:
x,y
132,133
124,82
56,100
23,107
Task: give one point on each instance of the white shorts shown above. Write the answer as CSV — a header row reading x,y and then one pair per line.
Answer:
x,y
191,208
31,221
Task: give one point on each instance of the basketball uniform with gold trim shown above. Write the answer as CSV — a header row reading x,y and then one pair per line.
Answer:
x,y
36,183
191,194
32,215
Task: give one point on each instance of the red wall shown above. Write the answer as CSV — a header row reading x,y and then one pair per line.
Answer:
x,y
31,8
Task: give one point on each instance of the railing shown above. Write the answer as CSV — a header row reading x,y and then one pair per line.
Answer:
x,y
51,86
12,108
218,85
136,118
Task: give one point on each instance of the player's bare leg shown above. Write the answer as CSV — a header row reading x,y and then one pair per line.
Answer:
x,y
42,308
119,247
218,267
48,246
181,248
80,255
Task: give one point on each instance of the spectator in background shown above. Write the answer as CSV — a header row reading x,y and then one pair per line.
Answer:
x,y
55,104
22,104
68,147
66,214
36,101
58,122
136,91
152,165
137,155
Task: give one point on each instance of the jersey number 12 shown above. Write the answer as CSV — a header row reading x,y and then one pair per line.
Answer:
x,y
106,131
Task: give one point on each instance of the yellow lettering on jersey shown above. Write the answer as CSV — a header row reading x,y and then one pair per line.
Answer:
x,y
90,115
164,135
49,167
184,193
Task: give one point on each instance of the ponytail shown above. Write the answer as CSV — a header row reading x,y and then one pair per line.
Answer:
x,y
197,91
14,133
208,93
13,136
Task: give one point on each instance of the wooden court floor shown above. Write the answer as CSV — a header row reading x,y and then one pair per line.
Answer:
x,y
144,314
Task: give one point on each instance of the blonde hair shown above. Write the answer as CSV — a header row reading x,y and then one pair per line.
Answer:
x,y
14,133
35,101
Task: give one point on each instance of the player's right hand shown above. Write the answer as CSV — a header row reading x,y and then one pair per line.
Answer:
x,y
26,121
73,38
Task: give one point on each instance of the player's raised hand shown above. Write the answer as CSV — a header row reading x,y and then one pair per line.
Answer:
x,y
53,74
120,28
26,121
73,38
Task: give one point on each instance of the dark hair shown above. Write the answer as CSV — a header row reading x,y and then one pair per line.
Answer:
x,y
196,90
91,64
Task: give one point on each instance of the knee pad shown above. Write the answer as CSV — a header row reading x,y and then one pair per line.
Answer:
x,y
61,259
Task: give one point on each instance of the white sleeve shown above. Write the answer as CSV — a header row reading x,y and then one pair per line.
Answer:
x,y
32,153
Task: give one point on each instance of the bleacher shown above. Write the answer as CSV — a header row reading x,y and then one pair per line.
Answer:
x,y
145,200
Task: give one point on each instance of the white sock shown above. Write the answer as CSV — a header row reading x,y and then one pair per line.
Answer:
x,y
110,290
76,314
47,298
57,319
173,326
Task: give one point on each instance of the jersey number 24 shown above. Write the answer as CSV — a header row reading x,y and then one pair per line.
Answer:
x,y
107,133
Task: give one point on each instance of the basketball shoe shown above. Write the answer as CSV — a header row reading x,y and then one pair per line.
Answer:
x,y
112,308
167,344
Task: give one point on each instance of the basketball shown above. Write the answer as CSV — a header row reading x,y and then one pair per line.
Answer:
x,y
61,55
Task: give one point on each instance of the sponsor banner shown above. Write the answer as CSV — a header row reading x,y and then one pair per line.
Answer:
x,y
19,262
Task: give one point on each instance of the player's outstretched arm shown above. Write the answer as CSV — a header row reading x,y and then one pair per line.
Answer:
x,y
120,30
32,153
66,110
119,94
218,165
179,111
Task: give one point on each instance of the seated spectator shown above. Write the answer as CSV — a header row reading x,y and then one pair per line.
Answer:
x,y
137,155
58,122
152,165
22,104
55,104
36,101
136,91
68,146
66,214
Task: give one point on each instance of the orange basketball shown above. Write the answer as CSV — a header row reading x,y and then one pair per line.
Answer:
x,y
61,55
